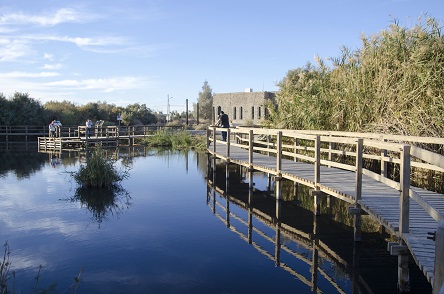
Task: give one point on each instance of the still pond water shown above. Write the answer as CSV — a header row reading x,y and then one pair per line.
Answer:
x,y
179,226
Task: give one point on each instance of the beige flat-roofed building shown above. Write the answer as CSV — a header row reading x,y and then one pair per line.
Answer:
x,y
242,107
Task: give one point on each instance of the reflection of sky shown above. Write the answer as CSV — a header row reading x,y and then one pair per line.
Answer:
x,y
167,241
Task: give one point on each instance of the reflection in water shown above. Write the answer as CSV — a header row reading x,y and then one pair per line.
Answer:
x,y
103,202
279,222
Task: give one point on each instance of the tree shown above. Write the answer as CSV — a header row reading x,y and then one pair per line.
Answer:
x,y
205,101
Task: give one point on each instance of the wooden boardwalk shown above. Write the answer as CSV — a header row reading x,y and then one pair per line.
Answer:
x,y
69,138
406,211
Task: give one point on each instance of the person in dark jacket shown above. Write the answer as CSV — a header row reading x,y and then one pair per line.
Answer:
x,y
223,121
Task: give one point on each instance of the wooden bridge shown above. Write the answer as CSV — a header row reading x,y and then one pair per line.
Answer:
x,y
343,165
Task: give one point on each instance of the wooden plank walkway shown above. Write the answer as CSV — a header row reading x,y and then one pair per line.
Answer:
x,y
378,199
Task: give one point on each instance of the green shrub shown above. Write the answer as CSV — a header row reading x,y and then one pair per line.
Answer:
x,y
99,172
175,140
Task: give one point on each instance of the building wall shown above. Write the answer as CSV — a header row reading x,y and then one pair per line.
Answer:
x,y
242,107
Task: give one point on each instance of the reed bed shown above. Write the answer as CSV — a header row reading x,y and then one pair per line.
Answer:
x,y
392,84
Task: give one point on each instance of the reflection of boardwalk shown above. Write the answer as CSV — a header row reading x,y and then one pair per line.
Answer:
x,y
298,251
406,211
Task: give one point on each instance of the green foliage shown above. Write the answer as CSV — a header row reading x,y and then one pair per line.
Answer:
x,y
99,172
205,100
20,109
392,84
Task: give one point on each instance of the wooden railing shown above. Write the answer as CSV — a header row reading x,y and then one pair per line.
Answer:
x,y
32,132
343,150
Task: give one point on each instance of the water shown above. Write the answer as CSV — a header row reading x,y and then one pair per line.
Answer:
x,y
172,230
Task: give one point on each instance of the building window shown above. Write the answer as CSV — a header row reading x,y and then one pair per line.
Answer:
x,y
234,112
252,112
259,112
241,114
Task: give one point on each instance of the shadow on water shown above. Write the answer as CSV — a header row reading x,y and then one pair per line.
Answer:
x,y
318,250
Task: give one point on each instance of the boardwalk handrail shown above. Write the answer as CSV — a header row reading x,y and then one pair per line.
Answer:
x,y
389,152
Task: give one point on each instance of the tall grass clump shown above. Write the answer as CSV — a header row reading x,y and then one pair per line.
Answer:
x,y
99,172
392,84
175,140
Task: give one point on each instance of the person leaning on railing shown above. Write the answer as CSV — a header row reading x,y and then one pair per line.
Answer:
x,y
223,122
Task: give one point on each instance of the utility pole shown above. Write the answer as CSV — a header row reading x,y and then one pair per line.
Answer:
x,y
168,107
186,109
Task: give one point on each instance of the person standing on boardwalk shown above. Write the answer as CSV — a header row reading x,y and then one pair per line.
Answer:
x,y
223,121
88,127
52,129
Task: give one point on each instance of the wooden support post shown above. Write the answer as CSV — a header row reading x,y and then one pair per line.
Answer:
x,y
331,146
250,149
358,175
296,151
315,256
277,238
214,139
384,162
317,169
404,199
357,219
278,190
438,275
208,138
228,144
279,153
316,194
404,208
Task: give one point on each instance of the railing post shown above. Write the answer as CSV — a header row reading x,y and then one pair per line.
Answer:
x,y
331,146
404,200
228,143
383,162
214,139
404,209
208,137
438,274
317,174
279,153
250,149
357,229
296,143
358,184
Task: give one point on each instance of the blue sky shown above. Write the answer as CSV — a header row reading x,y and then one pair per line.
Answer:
x,y
142,51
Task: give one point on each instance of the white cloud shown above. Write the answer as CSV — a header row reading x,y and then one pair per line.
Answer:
x,y
53,66
11,50
19,74
106,85
64,15
48,56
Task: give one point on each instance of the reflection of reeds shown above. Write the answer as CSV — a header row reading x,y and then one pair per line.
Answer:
x,y
103,202
5,267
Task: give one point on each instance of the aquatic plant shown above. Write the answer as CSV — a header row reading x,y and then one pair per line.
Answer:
x,y
99,172
176,140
